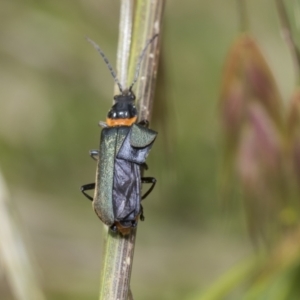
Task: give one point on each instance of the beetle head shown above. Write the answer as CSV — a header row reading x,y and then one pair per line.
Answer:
x,y
123,112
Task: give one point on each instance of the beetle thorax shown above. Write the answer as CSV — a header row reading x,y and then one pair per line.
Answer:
x,y
123,112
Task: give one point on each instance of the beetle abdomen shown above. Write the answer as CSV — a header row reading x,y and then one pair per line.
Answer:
x,y
126,191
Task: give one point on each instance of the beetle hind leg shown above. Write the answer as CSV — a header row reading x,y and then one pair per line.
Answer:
x,y
148,180
113,228
144,166
142,217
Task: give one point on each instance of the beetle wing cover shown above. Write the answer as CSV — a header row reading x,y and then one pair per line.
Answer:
x,y
126,191
137,144
104,177
141,136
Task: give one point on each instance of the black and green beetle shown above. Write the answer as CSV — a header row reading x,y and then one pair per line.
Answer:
x,y
124,147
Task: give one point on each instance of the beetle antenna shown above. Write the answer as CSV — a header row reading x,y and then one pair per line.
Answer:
x,y
112,72
138,65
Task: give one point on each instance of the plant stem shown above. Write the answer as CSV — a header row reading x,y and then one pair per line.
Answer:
x,y
147,23
288,36
123,54
119,250
116,269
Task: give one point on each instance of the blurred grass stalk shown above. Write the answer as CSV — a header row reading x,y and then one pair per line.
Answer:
x,y
264,275
147,16
15,258
288,36
229,281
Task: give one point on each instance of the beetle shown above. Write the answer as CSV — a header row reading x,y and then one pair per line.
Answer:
x,y
121,159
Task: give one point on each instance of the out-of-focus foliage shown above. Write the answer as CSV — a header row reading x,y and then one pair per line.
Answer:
x,y
54,90
253,122
262,151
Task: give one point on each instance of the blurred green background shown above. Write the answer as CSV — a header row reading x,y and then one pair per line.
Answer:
x,y
54,90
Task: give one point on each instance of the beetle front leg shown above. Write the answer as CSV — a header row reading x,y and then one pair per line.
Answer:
x,y
144,123
94,154
148,180
87,187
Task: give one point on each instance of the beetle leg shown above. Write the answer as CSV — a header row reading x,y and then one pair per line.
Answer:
x,y
144,166
148,180
87,187
102,124
144,123
113,228
94,154
142,217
